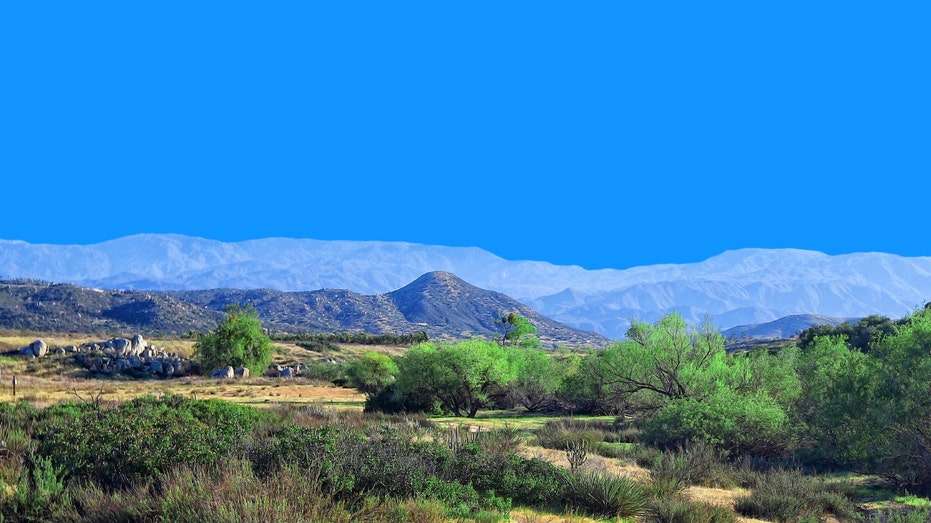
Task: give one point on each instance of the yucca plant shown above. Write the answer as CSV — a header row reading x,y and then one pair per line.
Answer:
x,y
605,495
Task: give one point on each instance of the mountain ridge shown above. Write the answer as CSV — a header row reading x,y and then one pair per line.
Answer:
x,y
439,304
737,287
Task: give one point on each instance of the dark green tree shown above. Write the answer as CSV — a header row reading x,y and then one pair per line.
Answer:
x,y
537,377
462,377
371,373
238,340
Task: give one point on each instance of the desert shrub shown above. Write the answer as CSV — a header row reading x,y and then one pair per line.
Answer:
x,y
334,373
392,466
531,482
20,414
314,450
562,432
38,492
146,436
390,400
696,463
672,509
403,511
789,495
605,495
233,493
740,425
920,515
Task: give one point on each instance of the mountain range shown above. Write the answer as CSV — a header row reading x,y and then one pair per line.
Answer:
x,y
739,287
438,303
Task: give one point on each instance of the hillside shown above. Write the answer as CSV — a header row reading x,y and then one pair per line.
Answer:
x,y
786,327
740,287
438,303
60,307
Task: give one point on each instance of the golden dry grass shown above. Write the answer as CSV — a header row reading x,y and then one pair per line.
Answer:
x,y
55,379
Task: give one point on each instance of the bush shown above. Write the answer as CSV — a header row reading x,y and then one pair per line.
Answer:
x,y
789,495
238,340
605,495
563,432
145,437
694,464
671,509
531,482
737,425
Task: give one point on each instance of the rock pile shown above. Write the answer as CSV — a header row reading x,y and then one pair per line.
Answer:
x,y
119,355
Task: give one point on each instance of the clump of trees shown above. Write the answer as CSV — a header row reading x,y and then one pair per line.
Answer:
x,y
854,397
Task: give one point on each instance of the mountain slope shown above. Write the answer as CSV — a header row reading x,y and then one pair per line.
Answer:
x,y
439,303
786,327
736,287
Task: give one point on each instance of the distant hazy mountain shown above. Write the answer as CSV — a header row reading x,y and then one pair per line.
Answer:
x,y
735,288
786,327
438,303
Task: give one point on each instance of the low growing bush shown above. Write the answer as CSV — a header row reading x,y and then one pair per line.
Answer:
x,y
605,495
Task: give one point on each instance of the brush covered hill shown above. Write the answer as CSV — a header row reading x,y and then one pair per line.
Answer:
x,y
438,303
39,306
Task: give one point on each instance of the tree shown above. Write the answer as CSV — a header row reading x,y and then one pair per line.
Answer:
x,y
871,411
462,377
537,377
667,359
518,330
238,340
371,373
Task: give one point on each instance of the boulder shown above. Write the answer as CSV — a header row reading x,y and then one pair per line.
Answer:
x,y
242,372
121,345
37,349
226,373
138,344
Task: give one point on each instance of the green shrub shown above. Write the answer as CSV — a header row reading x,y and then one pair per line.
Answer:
x,y
146,436
530,482
736,424
39,490
694,464
563,432
671,509
605,495
789,495
922,515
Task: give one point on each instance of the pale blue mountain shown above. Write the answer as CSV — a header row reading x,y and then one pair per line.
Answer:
x,y
745,286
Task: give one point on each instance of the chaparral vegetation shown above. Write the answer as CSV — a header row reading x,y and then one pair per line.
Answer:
x,y
666,425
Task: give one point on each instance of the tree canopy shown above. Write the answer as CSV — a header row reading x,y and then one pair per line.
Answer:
x,y
238,340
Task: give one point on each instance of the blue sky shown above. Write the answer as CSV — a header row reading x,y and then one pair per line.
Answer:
x,y
600,134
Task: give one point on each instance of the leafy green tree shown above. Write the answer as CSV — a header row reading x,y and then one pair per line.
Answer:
x,y
667,360
371,373
238,340
858,336
537,376
696,391
837,385
518,331
872,411
462,377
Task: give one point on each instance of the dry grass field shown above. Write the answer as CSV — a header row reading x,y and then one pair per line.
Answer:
x,y
54,379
